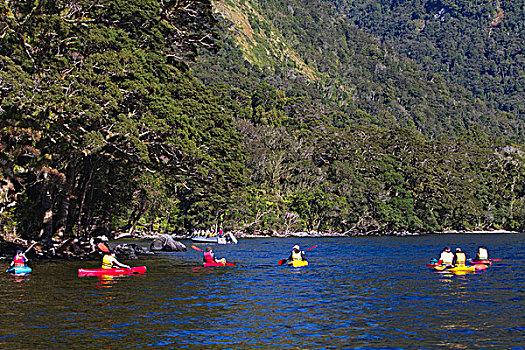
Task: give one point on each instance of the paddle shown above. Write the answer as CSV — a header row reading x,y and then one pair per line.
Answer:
x,y
282,261
28,249
103,247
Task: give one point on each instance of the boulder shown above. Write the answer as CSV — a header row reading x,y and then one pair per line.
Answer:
x,y
167,243
131,250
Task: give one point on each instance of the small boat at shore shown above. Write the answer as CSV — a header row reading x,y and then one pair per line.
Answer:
x,y
227,238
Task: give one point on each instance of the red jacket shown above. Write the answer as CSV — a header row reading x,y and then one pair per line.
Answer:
x,y
20,260
209,257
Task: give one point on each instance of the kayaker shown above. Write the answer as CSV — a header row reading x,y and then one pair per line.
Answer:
x,y
482,254
446,258
209,257
460,259
20,259
109,261
296,254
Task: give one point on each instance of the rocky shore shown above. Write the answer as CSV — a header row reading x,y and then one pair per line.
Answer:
x,y
78,249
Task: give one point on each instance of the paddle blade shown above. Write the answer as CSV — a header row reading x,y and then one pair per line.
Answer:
x,y
103,247
196,248
282,261
315,246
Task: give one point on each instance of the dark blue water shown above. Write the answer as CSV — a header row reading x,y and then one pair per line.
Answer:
x,y
357,293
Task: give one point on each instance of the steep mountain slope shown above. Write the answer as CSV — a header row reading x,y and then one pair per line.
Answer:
x,y
479,45
309,48
343,134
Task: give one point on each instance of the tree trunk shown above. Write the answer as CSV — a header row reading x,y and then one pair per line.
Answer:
x,y
82,201
65,196
47,205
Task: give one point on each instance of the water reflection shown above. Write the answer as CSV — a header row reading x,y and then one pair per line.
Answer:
x,y
105,281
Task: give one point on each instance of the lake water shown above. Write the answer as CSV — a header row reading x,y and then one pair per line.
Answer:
x,y
357,293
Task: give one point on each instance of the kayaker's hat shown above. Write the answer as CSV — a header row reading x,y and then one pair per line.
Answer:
x,y
296,247
458,250
18,252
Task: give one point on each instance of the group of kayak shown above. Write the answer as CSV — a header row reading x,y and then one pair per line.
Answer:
x,y
297,258
111,266
458,262
448,261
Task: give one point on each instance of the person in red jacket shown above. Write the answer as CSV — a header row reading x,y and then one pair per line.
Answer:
x,y
20,259
209,257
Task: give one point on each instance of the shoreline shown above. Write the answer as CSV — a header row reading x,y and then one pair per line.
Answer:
x,y
8,248
315,234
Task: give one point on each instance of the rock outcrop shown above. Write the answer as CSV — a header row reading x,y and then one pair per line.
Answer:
x,y
167,243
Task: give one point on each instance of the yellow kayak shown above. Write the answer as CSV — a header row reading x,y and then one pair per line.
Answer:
x,y
298,263
455,268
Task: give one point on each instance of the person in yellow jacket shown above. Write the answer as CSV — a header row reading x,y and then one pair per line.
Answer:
x,y
109,261
296,254
460,258
483,254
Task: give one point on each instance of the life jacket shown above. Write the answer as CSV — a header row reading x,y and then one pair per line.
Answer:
x,y
208,257
460,259
297,256
107,262
446,258
483,254
20,260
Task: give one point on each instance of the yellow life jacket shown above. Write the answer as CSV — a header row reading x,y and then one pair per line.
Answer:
x,y
483,254
107,262
296,256
461,258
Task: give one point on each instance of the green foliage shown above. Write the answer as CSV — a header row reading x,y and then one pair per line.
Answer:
x,y
477,45
436,172
121,132
305,123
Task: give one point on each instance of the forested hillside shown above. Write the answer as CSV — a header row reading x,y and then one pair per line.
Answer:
x,y
102,126
329,108
311,47
479,45
291,119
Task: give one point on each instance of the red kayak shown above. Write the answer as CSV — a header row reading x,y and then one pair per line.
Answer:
x,y
486,262
210,264
111,272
